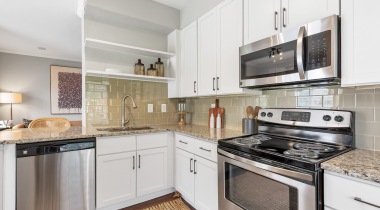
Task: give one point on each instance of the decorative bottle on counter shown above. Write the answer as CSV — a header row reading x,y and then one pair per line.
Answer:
x,y
160,68
151,71
139,68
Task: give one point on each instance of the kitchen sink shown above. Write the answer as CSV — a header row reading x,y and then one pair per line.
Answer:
x,y
118,129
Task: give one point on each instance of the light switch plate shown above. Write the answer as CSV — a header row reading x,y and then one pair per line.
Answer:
x,y
163,107
150,108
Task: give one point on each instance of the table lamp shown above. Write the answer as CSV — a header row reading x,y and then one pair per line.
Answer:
x,y
10,98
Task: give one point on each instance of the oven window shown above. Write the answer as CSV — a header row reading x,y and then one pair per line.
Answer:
x,y
274,61
252,191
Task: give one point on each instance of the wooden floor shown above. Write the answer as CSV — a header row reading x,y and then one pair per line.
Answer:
x,y
162,199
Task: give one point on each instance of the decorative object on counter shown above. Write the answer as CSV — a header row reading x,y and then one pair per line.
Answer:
x,y
152,71
10,98
182,120
55,125
160,68
139,68
212,121
249,125
215,111
65,90
182,107
218,121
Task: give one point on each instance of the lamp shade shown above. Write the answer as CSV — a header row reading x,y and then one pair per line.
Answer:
x,y
10,98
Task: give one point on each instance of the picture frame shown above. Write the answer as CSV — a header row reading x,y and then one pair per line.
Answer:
x,y
65,90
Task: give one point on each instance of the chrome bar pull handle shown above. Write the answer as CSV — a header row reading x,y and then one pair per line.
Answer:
x,y
275,20
133,162
182,142
194,86
300,52
283,17
191,170
207,150
195,167
213,84
139,161
217,83
365,202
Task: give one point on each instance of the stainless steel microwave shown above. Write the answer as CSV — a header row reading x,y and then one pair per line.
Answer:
x,y
304,56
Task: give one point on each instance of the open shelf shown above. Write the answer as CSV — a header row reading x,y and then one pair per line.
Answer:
x,y
116,47
95,73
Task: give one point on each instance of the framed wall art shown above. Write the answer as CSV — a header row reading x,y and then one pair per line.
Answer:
x,y
65,90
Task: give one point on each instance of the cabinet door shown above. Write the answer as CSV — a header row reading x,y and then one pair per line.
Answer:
x,y
184,169
298,12
360,42
152,170
115,178
207,52
261,19
206,184
230,38
189,60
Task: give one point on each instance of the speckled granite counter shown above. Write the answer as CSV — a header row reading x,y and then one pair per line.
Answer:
x,y
362,164
26,135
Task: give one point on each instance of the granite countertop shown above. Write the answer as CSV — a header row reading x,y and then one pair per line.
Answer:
x,y
26,135
362,164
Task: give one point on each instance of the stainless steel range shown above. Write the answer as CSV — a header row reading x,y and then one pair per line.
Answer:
x,y
279,168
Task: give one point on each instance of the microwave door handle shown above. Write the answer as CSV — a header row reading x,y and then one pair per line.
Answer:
x,y
300,52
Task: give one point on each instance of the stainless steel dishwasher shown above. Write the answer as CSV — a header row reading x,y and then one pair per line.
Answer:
x,y
57,175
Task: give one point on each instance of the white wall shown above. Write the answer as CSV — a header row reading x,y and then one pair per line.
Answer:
x,y
30,76
196,8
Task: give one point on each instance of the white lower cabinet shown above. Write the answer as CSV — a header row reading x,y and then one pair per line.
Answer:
x,y
124,176
206,184
116,178
347,193
197,177
151,170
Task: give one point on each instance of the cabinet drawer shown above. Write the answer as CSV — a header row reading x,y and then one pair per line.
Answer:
x,y
205,149
184,142
340,193
115,144
155,140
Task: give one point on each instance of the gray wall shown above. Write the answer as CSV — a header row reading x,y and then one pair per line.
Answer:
x,y
196,8
30,76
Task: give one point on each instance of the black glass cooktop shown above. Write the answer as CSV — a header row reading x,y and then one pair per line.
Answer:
x,y
303,154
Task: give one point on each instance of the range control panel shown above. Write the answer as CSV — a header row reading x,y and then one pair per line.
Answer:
x,y
307,117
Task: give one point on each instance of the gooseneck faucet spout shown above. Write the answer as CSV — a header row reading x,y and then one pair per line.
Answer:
x,y
123,121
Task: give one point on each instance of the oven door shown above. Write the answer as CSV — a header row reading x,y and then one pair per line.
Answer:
x,y
301,55
246,184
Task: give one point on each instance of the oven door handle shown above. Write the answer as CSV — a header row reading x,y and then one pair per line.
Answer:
x,y
300,52
281,171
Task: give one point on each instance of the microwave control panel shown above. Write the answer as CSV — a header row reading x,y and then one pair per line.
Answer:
x,y
318,48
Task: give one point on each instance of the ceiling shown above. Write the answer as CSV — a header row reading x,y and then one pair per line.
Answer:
x,y
54,25
178,4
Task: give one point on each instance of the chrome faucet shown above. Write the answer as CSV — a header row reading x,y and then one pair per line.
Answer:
x,y
123,122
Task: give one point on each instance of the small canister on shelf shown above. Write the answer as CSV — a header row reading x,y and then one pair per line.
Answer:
x,y
151,71
160,68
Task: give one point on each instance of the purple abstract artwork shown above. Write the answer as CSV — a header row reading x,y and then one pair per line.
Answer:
x,y
69,90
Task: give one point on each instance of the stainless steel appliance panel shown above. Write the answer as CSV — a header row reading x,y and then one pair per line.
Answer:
x,y
59,181
246,193
285,73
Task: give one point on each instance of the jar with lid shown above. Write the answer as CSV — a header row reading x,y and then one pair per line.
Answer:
x,y
160,68
151,71
137,66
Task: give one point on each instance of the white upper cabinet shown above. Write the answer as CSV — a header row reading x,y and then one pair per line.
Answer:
x,y
189,60
230,38
261,19
207,52
264,18
360,42
298,12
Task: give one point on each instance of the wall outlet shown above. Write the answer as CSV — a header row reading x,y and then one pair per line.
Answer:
x,y
150,108
163,107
